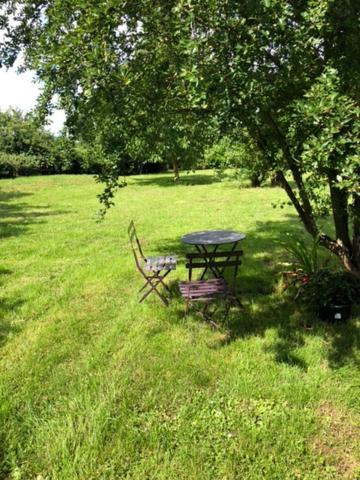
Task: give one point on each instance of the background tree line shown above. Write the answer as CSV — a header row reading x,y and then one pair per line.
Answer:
x,y
27,148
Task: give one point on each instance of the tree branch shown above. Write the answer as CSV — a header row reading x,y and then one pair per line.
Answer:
x,y
307,216
280,177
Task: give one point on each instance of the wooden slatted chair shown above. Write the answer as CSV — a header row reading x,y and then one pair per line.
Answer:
x,y
211,290
152,269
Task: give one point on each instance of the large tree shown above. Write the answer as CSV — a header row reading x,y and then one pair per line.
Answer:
x,y
114,66
289,72
286,71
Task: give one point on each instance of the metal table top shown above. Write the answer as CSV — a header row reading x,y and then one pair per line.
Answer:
x,y
213,237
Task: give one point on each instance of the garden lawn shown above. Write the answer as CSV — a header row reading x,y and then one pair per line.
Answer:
x,y
94,385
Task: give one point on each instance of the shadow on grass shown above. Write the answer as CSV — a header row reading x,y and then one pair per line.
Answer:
x,y
7,328
167,180
344,342
7,306
266,308
15,217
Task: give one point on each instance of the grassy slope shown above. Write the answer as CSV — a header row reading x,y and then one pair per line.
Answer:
x,y
95,385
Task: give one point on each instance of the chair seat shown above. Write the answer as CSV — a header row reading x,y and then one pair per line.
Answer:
x,y
205,290
156,264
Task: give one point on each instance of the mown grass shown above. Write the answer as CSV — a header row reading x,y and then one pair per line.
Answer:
x,y
95,385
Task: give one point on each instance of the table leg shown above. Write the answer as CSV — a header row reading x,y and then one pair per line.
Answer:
x,y
202,250
221,271
217,272
214,270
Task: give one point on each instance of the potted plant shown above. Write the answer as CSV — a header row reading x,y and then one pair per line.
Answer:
x,y
330,293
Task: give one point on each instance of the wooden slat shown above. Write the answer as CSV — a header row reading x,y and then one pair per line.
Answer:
x,y
205,290
208,282
203,294
235,253
200,288
205,286
210,264
207,296
211,282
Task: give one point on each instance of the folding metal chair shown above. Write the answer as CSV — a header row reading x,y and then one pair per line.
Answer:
x,y
151,268
212,290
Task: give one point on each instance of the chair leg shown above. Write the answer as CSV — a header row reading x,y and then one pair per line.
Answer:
x,y
152,288
227,309
152,283
238,302
209,319
161,280
142,288
186,308
203,312
162,298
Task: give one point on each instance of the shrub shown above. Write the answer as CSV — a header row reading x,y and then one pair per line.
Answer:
x,y
12,165
242,155
8,165
328,288
221,155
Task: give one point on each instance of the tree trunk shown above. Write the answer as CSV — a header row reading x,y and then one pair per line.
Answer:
x,y
338,249
274,181
307,217
339,204
356,232
294,200
255,181
176,171
342,246
347,251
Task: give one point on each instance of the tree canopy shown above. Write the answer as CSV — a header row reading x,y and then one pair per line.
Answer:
x,y
159,73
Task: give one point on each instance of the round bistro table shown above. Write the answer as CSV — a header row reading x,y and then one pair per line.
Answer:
x,y
213,239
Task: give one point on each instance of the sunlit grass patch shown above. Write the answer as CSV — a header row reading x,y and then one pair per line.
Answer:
x,y
95,385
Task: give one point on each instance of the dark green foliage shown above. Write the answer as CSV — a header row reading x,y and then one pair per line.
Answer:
x,y
223,154
329,288
8,165
28,149
242,155
12,165
20,135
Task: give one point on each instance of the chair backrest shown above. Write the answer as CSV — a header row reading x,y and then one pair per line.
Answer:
x,y
135,244
214,261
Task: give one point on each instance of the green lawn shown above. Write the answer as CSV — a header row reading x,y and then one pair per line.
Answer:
x,y
95,385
